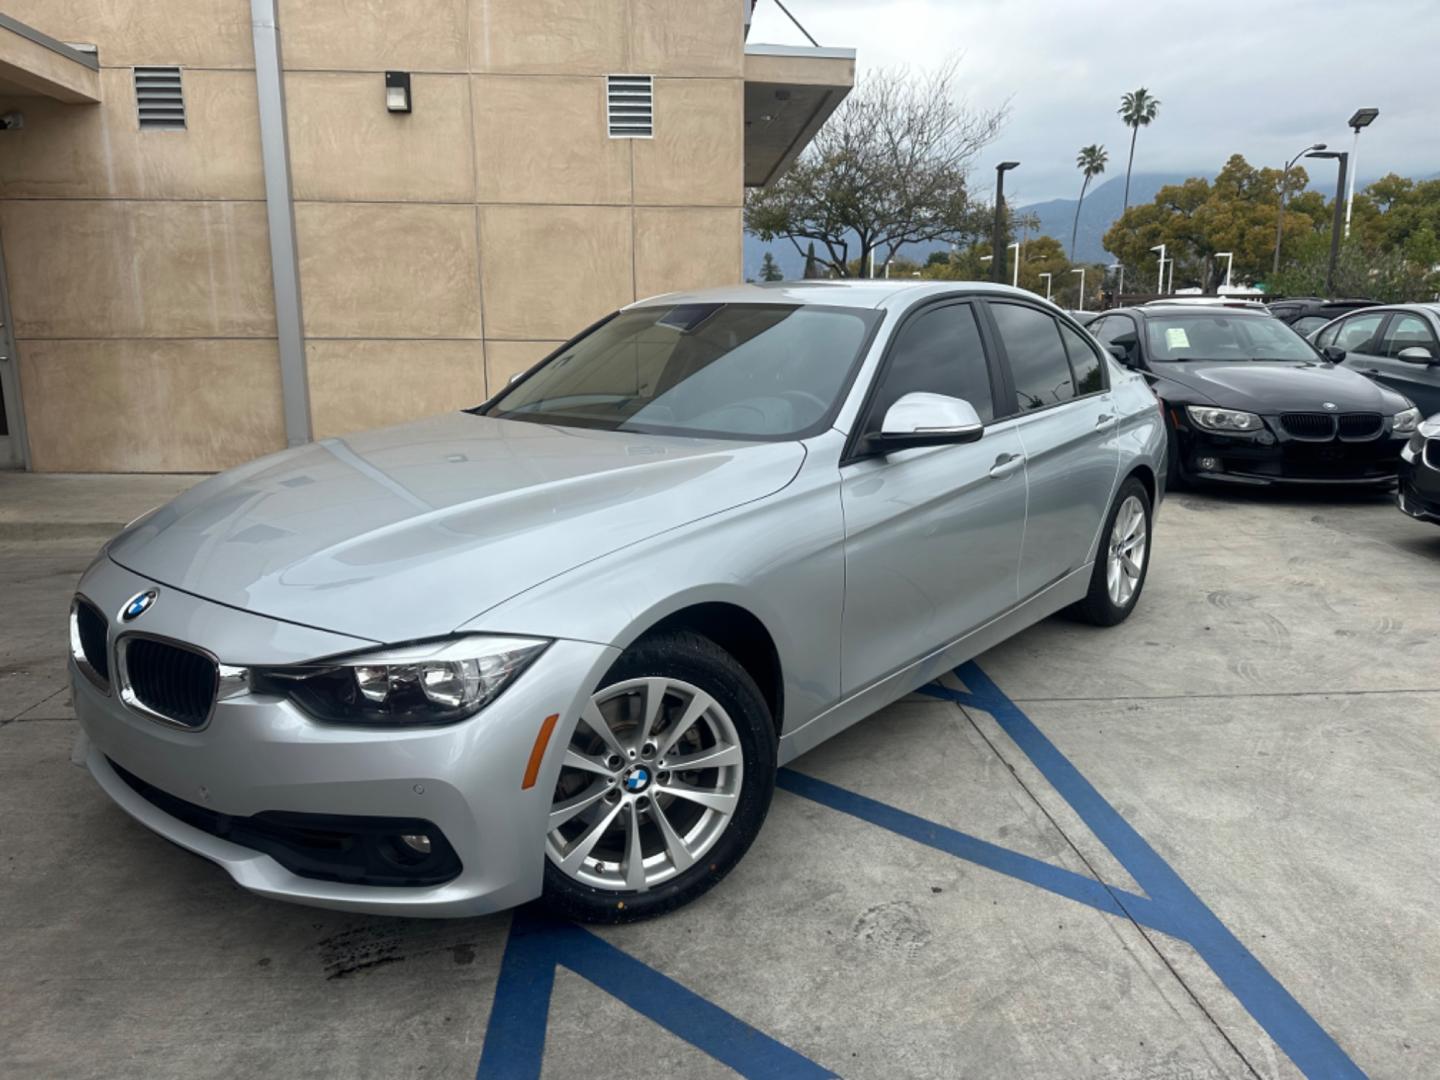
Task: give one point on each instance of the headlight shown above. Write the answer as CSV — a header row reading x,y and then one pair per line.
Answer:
x,y
1405,422
429,683
1203,416
1430,428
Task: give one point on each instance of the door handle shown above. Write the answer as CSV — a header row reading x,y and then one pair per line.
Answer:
x,y
1103,419
1006,464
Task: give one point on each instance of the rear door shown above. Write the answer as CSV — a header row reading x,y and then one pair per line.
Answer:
x,y
1068,428
1418,382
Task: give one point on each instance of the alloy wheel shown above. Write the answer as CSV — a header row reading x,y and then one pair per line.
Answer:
x,y
1125,561
649,783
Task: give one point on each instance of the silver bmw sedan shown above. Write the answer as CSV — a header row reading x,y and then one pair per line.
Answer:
x,y
556,645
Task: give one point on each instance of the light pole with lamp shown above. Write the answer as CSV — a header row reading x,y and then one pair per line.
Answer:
x,y
1160,285
1081,272
997,238
1047,276
1363,118
1280,215
1344,159
1229,257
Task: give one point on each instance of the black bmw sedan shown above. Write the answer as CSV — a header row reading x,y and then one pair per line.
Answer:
x,y
1249,401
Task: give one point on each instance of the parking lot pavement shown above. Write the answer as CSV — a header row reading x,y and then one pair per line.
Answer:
x,y
1200,844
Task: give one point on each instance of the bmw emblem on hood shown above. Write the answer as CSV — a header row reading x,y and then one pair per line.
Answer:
x,y
138,604
1328,406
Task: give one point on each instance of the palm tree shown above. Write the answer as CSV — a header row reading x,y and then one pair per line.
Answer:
x,y
1091,163
1137,109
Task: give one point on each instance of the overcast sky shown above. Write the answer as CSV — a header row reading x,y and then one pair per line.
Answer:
x,y
1262,79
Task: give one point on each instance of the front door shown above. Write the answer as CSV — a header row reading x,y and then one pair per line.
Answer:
x,y
932,535
1067,427
1418,382
12,441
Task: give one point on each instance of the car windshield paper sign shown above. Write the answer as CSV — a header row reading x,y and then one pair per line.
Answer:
x,y
1175,338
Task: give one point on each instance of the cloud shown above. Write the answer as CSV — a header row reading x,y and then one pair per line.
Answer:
x,y
1263,82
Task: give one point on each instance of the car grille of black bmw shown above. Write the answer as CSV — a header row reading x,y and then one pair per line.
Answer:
x,y
1301,425
169,681
1360,425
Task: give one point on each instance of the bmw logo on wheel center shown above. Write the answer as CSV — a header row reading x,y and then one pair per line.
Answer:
x,y
638,779
138,604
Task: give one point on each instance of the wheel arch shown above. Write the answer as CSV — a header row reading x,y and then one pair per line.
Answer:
x,y
742,634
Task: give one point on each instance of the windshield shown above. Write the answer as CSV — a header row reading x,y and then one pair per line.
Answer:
x,y
735,371
1220,336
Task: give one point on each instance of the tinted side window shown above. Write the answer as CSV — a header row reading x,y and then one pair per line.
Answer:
x,y
1357,334
1307,324
939,352
1084,362
1409,332
1037,357
1328,337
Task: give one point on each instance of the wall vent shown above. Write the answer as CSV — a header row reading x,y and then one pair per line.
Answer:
x,y
631,106
159,100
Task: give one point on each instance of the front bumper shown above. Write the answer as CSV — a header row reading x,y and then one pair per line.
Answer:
x,y
1272,457
260,754
1419,491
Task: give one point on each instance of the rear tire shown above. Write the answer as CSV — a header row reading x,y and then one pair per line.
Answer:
x,y
670,700
1122,560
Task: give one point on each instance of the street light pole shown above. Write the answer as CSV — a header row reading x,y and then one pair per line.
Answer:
x,y
1160,284
1335,226
1047,278
997,237
1081,272
1280,215
1362,118
1229,257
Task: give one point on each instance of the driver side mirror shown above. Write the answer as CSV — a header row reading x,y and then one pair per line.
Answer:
x,y
921,419
1415,355
1124,349
1334,354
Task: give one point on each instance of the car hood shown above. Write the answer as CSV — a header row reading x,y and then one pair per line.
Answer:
x,y
1289,386
408,532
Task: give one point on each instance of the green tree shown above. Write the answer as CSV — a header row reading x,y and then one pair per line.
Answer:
x,y
1138,109
770,269
889,168
1091,162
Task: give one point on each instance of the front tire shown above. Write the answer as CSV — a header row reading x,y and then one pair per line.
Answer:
x,y
666,782
1122,561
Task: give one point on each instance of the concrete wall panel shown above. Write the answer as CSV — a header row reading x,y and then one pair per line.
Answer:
x,y
686,249
388,271
550,270
545,141
697,154
344,145
687,37
150,406
373,35
138,269
548,36
193,33
355,385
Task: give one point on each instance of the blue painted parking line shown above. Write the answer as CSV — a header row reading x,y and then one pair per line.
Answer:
x,y
515,1038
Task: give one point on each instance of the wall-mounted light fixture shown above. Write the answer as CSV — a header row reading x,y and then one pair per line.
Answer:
x,y
397,91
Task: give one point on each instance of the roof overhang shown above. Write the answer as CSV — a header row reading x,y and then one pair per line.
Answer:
x,y
33,64
789,92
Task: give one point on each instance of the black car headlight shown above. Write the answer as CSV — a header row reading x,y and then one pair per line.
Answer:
x,y
436,682
1211,419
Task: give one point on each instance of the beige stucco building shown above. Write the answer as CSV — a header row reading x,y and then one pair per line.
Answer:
x,y
218,238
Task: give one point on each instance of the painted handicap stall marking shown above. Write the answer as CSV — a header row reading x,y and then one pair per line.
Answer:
x,y
515,1037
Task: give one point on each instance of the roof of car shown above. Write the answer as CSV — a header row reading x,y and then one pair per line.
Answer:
x,y
859,292
1196,310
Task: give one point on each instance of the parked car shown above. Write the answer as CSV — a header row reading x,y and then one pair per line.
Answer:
x,y
1398,345
1419,491
560,641
1306,314
1248,401
1207,301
